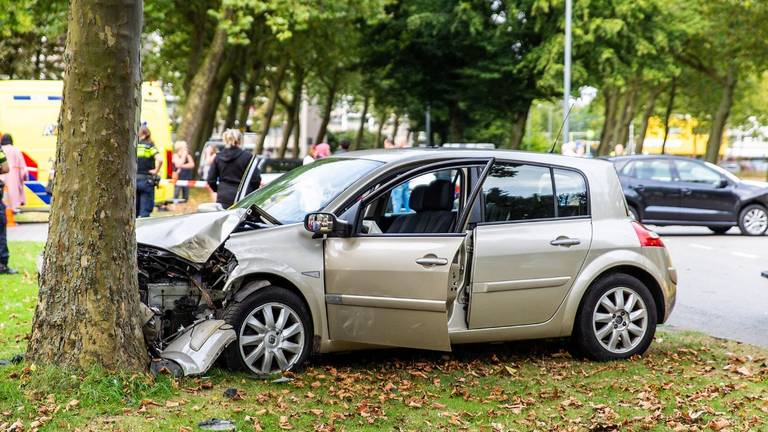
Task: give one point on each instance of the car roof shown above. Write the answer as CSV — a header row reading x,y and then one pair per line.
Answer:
x,y
650,156
427,154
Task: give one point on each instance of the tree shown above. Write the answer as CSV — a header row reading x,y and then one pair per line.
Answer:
x,y
88,305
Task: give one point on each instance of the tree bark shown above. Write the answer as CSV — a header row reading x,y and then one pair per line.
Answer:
x,y
250,93
606,136
363,120
234,100
274,92
199,97
379,129
668,114
327,108
297,127
622,135
721,116
88,304
455,123
649,106
396,128
290,111
517,133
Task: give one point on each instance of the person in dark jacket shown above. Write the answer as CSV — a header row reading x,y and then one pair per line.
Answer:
x,y
229,167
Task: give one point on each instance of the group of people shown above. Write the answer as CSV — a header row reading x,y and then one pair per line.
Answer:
x,y
222,170
13,173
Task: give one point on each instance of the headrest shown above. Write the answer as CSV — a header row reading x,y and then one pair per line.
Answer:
x,y
416,200
439,196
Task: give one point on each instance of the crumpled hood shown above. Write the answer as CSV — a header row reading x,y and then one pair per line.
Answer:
x,y
193,237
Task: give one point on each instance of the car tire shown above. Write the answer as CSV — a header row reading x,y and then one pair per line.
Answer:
x,y
753,220
600,328
634,213
267,344
719,230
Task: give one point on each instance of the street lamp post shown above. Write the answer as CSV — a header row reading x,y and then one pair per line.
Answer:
x,y
567,71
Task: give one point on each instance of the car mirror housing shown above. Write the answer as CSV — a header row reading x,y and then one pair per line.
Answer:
x,y
722,183
326,224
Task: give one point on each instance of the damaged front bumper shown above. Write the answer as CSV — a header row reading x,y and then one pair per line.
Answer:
x,y
195,349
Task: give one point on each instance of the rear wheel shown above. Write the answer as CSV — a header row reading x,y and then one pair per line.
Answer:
x,y
616,319
719,230
274,332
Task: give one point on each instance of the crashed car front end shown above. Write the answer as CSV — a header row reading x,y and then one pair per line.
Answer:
x,y
183,268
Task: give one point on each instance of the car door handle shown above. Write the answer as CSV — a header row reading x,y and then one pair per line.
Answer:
x,y
639,187
565,241
686,191
431,260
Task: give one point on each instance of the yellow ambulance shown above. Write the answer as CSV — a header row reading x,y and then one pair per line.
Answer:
x,y
29,111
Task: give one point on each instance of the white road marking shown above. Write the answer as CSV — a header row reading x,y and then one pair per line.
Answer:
x,y
701,246
745,255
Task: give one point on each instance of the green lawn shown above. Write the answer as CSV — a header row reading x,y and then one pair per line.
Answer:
x,y
687,381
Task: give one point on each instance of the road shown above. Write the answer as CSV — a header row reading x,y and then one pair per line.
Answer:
x,y
720,289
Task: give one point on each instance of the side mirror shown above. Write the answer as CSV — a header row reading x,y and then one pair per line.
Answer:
x,y
325,224
722,183
209,207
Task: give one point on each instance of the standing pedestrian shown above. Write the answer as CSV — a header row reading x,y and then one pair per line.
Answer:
x,y
17,174
148,163
343,146
310,157
228,169
183,168
4,254
322,150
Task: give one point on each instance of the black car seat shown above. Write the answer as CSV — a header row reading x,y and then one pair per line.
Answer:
x,y
433,205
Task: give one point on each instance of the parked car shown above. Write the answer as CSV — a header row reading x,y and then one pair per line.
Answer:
x,y
500,246
672,190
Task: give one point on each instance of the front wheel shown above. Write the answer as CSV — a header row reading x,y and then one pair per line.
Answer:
x,y
753,220
274,332
616,320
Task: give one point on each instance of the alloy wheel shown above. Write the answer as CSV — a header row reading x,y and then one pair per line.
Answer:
x,y
620,320
756,221
271,338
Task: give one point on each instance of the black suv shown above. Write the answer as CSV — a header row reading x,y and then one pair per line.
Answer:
x,y
671,190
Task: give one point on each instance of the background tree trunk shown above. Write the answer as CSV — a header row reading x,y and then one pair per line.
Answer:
x,y
721,116
668,114
88,305
290,111
649,107
234,100
250,93
606,136
379,129
518,128
297,128
327,108
199,98
361,130
274,92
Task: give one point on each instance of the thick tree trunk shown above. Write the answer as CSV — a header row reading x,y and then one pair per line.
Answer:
x,y
290,111
88,305
622,135
250,93
517,133
363,120
396,128
274,92
721,116
455,123
668,115
649,107
199,97
234,101
217,92
297,127
327,108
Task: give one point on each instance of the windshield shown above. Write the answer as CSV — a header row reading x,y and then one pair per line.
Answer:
x,y
308,188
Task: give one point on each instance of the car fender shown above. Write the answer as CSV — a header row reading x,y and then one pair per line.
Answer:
x,y
261,270
598,264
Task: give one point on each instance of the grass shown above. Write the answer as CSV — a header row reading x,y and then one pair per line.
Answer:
x,y
686,381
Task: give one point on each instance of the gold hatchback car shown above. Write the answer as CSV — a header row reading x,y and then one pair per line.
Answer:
x,y
418,248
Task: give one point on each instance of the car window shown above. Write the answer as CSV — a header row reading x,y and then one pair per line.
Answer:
x,y
694,172
427,203
308,188
514,192
571,193
655,169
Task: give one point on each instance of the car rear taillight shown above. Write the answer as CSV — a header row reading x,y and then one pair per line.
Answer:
x,y
647,237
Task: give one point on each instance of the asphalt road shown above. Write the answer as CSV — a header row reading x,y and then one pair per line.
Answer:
x,y
720,290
